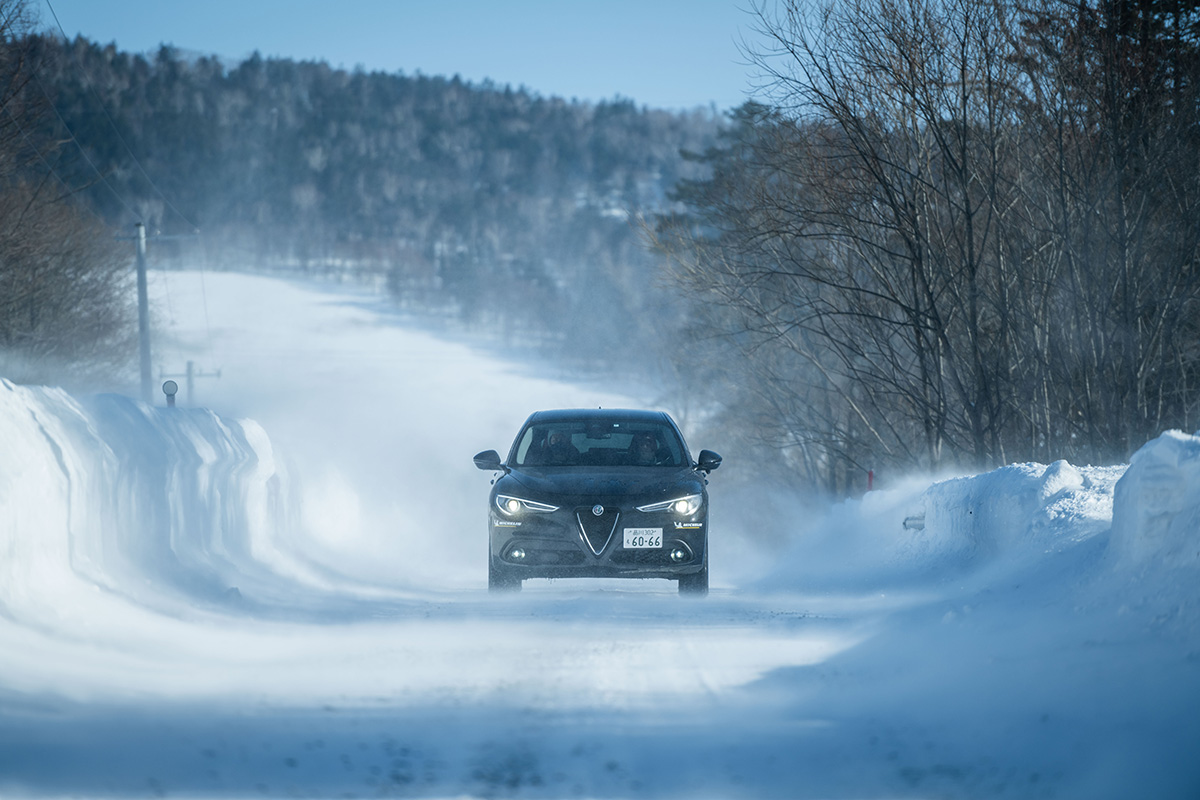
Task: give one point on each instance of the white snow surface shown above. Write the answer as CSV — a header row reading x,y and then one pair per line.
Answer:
x,y
280,591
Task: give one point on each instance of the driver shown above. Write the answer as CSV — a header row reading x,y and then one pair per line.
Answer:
x,y
644,449
559,449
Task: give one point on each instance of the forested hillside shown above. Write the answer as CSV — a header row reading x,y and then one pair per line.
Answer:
x,y
953,234
498,206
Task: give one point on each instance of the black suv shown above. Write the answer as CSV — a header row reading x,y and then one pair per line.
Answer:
x,y
599,493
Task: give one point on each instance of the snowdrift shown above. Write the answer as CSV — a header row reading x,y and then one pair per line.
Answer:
x,y
1125,520
1156,510
143,501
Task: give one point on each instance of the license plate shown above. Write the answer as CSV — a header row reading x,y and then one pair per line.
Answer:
x,y
643,538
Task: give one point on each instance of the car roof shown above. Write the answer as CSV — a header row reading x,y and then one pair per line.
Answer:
x,y
614,414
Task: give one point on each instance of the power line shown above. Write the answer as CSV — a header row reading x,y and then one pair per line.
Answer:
x,y
100,103
116,131
82,152
50,168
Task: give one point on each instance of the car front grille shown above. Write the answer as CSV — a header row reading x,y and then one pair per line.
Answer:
x,y
597,530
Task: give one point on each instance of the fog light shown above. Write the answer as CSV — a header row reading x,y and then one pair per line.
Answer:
x,y
678,555
517,554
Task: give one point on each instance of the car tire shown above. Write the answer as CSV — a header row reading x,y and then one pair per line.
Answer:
x,y
501,580
695,584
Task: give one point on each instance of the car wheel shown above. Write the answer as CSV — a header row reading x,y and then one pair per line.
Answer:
x,y
695,584
500,580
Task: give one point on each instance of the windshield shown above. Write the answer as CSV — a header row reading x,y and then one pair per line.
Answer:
x,y
600,443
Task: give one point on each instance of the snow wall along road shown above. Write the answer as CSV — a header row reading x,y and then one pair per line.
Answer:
x,y
177,508
165,506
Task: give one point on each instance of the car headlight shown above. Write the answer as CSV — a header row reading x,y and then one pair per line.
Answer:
x,y
683,506
512,506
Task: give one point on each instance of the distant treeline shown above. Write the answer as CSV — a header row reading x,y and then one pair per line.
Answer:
x,y
496,205
964,233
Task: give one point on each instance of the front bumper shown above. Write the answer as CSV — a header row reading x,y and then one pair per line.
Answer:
x,y
573,542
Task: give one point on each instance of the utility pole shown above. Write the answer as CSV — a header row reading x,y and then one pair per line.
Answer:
x,y
143,313
144,310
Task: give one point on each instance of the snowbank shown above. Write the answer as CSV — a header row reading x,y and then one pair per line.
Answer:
x,y
1020,507
112,491
124,494
1141,516
1156,513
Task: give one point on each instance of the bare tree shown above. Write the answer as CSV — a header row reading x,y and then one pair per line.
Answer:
x,y
66,295
65,285
943,244
1110,100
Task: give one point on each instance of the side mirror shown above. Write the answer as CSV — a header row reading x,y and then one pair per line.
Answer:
x,y
708,461
489,460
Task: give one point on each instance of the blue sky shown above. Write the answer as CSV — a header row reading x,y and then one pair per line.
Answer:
x,y
659,53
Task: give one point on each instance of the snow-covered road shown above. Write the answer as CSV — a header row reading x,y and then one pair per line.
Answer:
x,y
196,605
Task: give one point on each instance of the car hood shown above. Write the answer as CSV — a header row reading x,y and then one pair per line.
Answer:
x,y
652,483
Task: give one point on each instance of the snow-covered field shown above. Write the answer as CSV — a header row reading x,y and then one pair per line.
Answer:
x,y
280,591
